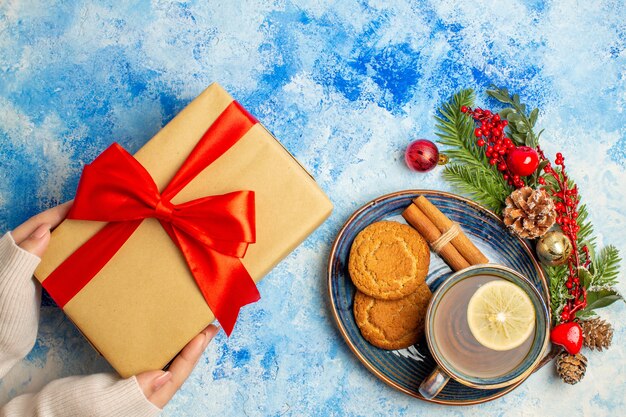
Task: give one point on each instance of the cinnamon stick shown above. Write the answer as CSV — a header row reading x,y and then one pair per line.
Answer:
x,y
416,218
461,242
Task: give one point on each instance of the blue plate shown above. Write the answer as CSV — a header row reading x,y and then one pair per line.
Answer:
x,y
406,368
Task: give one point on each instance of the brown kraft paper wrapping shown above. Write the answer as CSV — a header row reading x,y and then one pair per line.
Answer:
x,y
144,305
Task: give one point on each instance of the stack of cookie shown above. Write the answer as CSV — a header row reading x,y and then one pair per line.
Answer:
x,y
388,264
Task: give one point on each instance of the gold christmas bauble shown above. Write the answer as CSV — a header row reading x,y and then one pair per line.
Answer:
x,y
554,248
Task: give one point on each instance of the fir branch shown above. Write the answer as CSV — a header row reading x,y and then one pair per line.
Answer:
x,y
476,182
557,275
606,266
585,233
455,129
599,279
469,172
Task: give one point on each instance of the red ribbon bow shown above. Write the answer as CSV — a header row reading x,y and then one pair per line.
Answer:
x,y
212,232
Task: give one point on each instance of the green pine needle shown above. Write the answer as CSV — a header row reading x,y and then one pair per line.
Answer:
x,y
606,267
476,182
557,275
469,170
455,130
585,233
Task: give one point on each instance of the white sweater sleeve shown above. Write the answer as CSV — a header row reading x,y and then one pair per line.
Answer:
x,y
99,395
96,395
20,297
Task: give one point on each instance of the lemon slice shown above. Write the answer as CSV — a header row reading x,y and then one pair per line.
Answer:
x,y
500,315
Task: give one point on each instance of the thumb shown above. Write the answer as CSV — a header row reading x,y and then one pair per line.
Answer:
x,y
151,381
38,241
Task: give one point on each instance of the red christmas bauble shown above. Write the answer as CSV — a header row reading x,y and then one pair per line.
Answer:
x,y
421,155
569,335
522,161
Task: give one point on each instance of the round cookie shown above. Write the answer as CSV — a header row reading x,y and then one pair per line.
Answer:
x,y
388,260
392,324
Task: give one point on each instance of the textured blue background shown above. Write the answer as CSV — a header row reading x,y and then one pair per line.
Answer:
x,y
345,86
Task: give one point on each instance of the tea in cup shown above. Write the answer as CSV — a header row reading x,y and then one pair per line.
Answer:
x,y
486,327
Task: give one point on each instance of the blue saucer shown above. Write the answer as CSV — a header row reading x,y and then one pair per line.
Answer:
x,y
406,368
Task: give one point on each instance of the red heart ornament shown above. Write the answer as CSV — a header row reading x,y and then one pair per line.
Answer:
x,y
569,335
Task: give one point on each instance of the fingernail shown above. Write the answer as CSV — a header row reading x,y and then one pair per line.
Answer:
x,y
207,340
209,334
40,231
161,380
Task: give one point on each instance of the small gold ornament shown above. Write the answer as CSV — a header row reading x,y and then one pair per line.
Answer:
x,y
554,248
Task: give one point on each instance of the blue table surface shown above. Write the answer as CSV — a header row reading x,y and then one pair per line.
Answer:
x,y
345,86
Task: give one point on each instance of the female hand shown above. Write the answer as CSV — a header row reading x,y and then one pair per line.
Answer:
x,y
160,386
34,234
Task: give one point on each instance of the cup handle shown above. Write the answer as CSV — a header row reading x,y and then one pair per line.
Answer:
x,y
434,383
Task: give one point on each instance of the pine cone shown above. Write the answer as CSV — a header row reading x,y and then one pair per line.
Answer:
x,y
571,368
597,333
529,213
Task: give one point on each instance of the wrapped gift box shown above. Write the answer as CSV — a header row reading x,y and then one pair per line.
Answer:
x,y
144,305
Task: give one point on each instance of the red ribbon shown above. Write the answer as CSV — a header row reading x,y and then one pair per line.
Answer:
x,y
212,232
